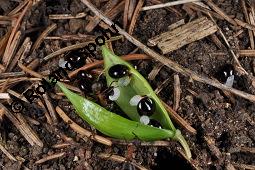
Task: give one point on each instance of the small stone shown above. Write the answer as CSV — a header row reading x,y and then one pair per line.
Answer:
x,y
76,24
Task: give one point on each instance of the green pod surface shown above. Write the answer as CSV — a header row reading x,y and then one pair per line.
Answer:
x,y
138,86
112,124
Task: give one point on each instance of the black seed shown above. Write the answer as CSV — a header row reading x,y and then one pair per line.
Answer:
x,y
155,123
118,71
76,59
224,72
146,106
85,86
84,76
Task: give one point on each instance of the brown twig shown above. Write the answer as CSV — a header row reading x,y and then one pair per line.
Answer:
x,y
67,16
50,157
177,92
12,49
23,50
135,16
46,32
179,2
125,15
245,25
169,63
29,71
81,130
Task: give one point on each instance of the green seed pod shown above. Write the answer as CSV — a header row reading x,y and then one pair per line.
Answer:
x,y
112,124
138,85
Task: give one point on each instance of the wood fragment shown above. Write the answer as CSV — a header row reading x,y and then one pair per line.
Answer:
x,y
246,16
125,15
168,62
19,121
252,20
244,166
12,49
221,12
217,41
190,32
46,32
67,16
177,92
50,108
79,37
179,2
23,50
50,157
164,84
135,16
10,156
81,130
3,43
245,25
154,72
120,159
246,53
61,145
29,71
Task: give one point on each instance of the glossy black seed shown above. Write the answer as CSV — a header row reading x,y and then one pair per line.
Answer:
x,y
146,106
76,59
155,123
224,72
85,86
118,71
84,76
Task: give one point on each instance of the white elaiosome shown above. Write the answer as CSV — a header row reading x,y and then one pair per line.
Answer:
x,y
135,100
116,94
145,120
230,81
62,63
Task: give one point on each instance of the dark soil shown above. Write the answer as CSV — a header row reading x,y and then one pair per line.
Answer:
x,y
230,125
